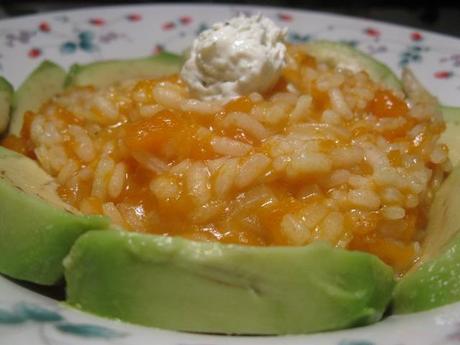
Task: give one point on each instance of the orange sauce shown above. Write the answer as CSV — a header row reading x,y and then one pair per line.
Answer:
x,y
174,136
386,104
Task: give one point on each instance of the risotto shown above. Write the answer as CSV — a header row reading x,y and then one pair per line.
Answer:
x,y
326,154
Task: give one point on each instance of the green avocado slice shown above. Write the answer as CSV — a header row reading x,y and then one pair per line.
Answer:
x,y
451,136
42,84
345,56
435,281
6,97
105,73
37,228
173,283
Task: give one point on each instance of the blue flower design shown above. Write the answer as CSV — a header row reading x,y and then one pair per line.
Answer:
x,y
85,42
202,27
10,317
87,46
351,43
68,47
88,331
86,36
295,37
23,312
36,313
412,54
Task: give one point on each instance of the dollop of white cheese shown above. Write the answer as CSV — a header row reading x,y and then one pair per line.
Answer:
x,y
235,58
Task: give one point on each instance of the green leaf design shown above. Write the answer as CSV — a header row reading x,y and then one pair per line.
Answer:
x,y
88,331
36,313
8,318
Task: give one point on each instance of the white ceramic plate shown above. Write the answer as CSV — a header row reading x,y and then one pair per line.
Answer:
x,y
132,31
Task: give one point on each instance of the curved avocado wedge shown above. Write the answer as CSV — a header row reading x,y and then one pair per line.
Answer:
x,y
6,97
435,282
37,228
344,56
451,136
174,283
42,84
105,73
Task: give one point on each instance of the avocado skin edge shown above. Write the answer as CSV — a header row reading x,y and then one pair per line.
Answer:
x,y
173,283
345,56
105,73
436,281
42,84
451,136
35,236
434,284
6,98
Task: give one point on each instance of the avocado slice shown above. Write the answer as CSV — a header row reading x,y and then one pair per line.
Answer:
x,y
435,280
451,136
37,227
6,96
43,83
174,283
105,73
345,56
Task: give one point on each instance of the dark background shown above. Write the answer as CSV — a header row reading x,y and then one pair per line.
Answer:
x,y
439,16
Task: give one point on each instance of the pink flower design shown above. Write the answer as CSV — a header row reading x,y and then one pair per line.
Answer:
x,y
372,32
443,74
134,17
168,26
34,53
97,21
416,36
44,27
185,20
285,17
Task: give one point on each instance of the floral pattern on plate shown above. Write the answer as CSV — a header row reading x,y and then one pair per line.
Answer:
x,y
22,313
88,35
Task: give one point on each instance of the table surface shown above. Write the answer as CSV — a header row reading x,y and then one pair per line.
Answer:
x,y
438,16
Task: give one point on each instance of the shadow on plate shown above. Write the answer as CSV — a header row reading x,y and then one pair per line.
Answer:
x,y
56,292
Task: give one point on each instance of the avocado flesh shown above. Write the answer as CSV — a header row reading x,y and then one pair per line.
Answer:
x,y
451,136
173,283
42,84
106,73
37,229
435,281
6,96
344,56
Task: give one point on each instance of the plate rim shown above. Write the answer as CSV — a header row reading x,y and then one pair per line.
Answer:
x,y
237,6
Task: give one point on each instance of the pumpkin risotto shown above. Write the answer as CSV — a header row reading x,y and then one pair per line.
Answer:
x,y
327,154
